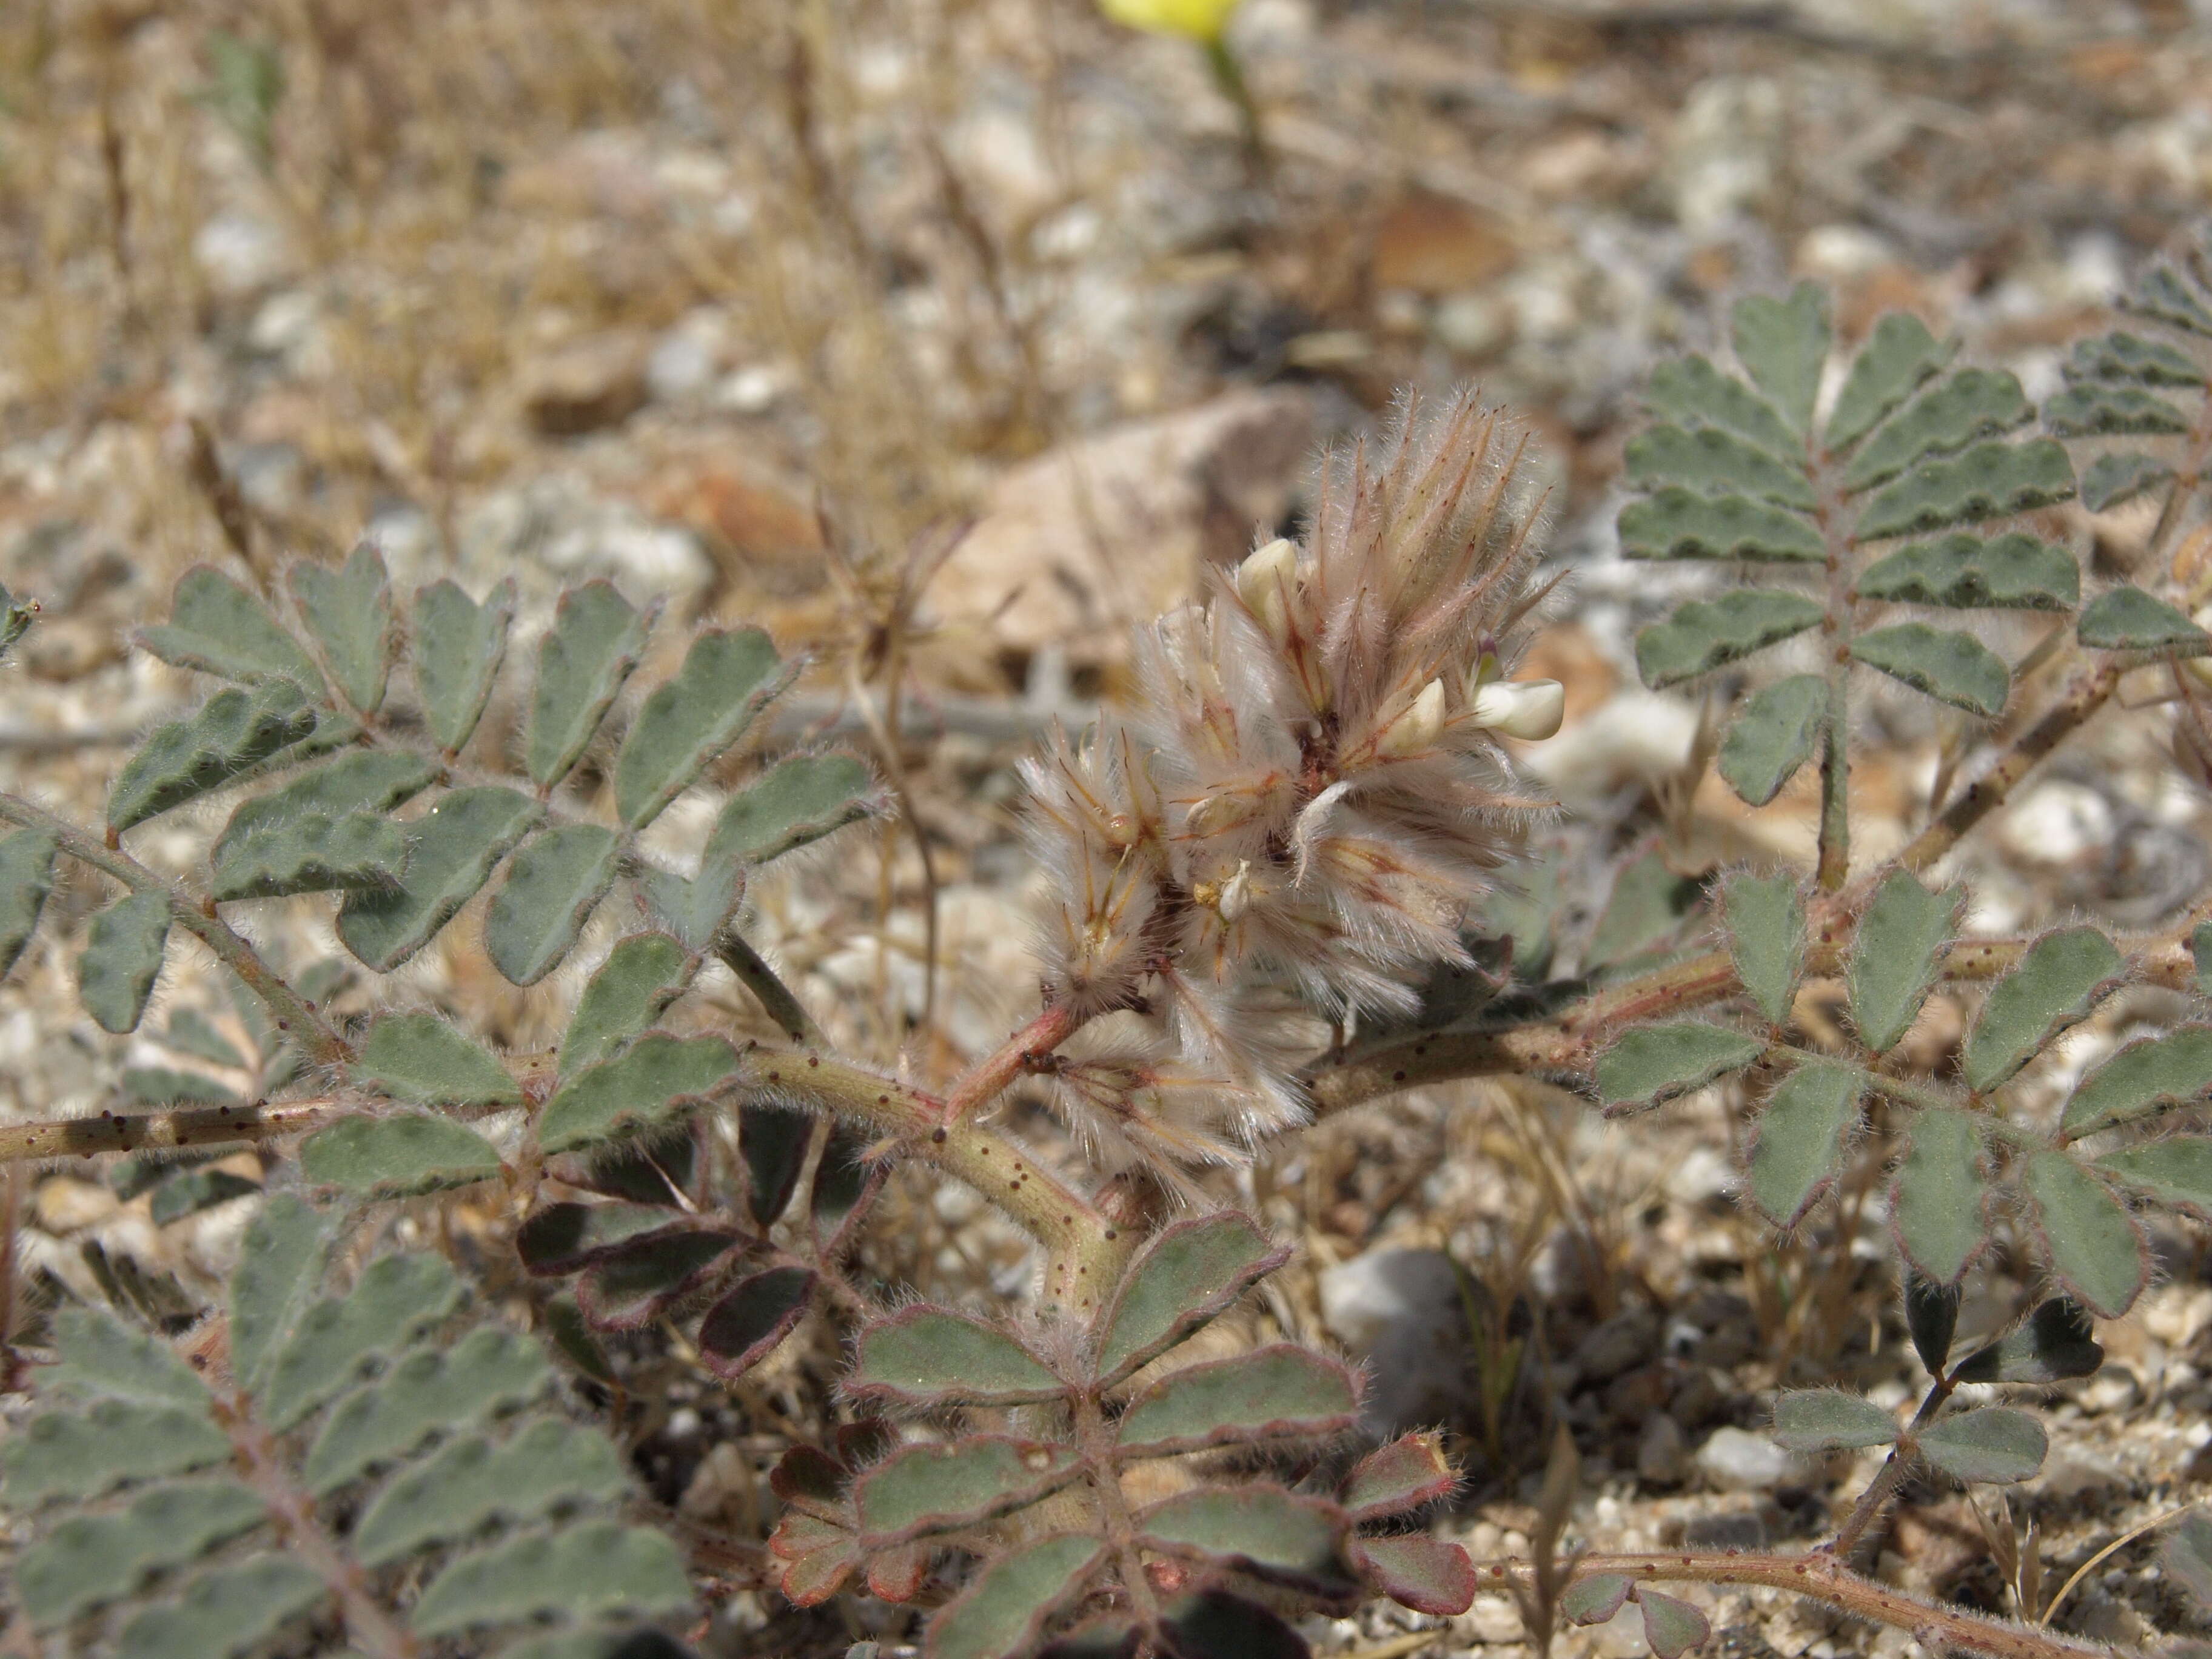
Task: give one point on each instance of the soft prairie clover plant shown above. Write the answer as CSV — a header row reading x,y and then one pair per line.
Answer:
x,y
1258,874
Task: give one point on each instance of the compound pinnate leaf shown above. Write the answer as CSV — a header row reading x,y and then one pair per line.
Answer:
x,y
1399,1477
1655,1063
1938,1203
1772,735
426,1393
1897,356
658,1079
1671,1625
726,680
1261,1529
1187,1274
469,1481
224,1611
634,1283
424,1058
26,875
695,908
553,884
2095,1249
1996,1445
1281,1391
1975,403
2166,296
1690,391
349,612
89,1560
103,1358
773,1140
2186,1557
395,1298
794,802
559,1238
123,959
1801,1137
1765,920
1429,1574
1783,344
359,781
232,732
923,1489
1931,1314
596,1569
2121,477
1951,667
582,662
82,1454
398,1156
1000,1613
451,850
641,975
749,1320
2111,411
924,1356
2128,619
459,645
1680,523
1595,1599
2128,359
274,1283
1827,1419
358,852
2011,572
2177,1172
1992,479
2057,1341
1714,462
215,626
1706,635
2058,980
1901,942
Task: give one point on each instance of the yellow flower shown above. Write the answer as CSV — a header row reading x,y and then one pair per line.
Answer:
x,y
1199,20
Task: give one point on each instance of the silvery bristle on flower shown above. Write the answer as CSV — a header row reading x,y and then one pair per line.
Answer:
x,y
1305,802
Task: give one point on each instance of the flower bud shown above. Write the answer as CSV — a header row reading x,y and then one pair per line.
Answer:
x,y
1237,892
1265,581
1416,729
1521,708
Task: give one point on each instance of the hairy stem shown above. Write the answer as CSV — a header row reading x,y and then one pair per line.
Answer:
x,y
189,1126
293,1013
1833,866
1019,1052
773,995
1880,1490
2088,692
1084,1251
1822,1577
262,1462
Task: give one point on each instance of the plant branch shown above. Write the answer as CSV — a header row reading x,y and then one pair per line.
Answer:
x,y
192,1126
1834,863
1084,1251
1820,1577
768,987
1019,1052
292,1012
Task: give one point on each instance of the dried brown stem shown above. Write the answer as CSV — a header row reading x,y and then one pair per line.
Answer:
x,y
1820,1577
292,1012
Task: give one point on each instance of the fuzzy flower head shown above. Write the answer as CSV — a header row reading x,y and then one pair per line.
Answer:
x,y
1313,789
